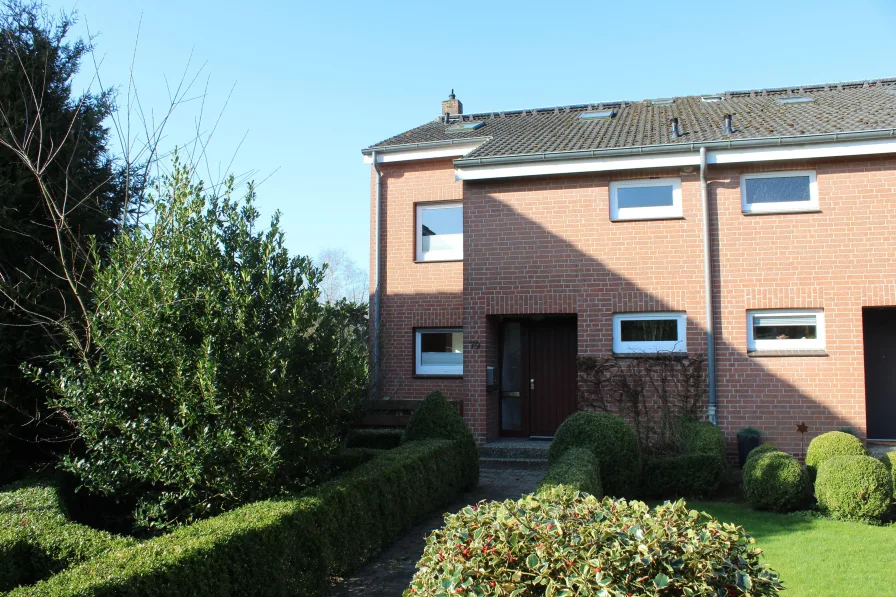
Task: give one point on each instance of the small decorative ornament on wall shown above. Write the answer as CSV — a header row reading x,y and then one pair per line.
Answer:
x,y
474,345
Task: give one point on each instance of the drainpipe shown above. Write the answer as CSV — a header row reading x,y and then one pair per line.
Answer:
x,y
376,280
707,275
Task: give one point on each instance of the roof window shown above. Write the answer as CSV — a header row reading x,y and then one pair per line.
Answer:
x,y
464,126
711,99
795,99
598,115
663,101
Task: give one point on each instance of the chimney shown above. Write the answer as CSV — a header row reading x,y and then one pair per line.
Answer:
x,y
452,105
674,129
729,124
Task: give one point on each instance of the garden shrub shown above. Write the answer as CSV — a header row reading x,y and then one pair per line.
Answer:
x,y
348,458
436,418
284,546
213,375
577,469
380,439
775,481
764,448
854,488
37,538
611,440
889,461
683,475
562,542
831,444
702,437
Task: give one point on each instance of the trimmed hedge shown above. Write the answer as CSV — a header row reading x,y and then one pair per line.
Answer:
x,y
854,488
348,458
775,481
288,546
37,538
684,475
889,461
611,440
576,469
436,418
378,439
702,437
831,444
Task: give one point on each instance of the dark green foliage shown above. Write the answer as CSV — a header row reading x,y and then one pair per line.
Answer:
x,y
850,430
35,50
831,444
749,432
381,439
577,469
762,449
38,539
348,458
889,461
436,418
775,481
702,437
215,376
562,542
684,475
287,546
609,438
854,488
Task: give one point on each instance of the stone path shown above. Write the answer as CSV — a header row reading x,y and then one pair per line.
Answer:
x,y
390,572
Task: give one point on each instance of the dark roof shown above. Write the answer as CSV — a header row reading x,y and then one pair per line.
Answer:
x,y
836,108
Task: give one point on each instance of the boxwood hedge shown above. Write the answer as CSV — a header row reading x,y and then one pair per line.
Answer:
x,y
379,439
576,469
774,480
684,475
854,488
829,445
281,546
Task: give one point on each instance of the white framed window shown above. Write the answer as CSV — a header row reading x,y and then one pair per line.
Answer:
x,y
440,232
439,351
777,192
649,332
780,329
652,199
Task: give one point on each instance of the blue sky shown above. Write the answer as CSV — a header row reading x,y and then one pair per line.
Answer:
x,y
313,83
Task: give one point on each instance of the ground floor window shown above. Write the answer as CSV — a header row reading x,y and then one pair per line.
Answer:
x,y
439,351
635,333
785,330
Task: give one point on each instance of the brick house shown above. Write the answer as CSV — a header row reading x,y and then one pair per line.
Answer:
x,y
505,245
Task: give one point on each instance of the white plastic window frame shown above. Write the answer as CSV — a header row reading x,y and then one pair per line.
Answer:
x,y
435,255
782,206
818,343
420,368
634,348
663,212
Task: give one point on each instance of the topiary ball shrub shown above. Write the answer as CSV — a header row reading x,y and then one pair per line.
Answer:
x,y
684,475
576,469
775,481
611,440
436,418
702,437
567,543
762,449
831,444
889,461
854,488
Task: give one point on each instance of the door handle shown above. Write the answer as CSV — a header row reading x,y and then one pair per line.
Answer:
x,y
532,384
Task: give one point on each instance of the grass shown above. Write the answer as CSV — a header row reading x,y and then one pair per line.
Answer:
x,y
815,556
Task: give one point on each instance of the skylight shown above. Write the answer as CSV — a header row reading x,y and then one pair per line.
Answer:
x,y
663,101
464,126
711,99
597,115
795,99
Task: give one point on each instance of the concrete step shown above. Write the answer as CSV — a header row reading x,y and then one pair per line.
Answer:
x,y
535,464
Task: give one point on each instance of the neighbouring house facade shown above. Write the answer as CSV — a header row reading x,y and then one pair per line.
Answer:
x,y
506,245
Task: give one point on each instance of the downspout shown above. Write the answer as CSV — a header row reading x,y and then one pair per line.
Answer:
x,y
707,276
376,279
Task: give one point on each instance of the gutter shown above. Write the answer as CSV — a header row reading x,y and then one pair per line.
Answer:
x,y
707,279
677,147
424,145
376,278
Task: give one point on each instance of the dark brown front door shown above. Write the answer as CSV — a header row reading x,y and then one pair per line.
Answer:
x,y
538,375
880,371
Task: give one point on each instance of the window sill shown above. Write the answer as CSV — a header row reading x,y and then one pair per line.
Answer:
x,y
787,353
439,260
783,212
437,376
650,219
649,355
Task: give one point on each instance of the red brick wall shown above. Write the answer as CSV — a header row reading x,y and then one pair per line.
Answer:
x,y
546,245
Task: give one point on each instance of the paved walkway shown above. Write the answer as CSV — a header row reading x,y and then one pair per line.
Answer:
x,y
389,573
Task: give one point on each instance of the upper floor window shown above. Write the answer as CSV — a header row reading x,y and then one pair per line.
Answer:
x,y
440,232
652,199
439,352
773,192
635,333
785,330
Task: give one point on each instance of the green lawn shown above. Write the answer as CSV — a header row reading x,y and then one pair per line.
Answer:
x,y
818,557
